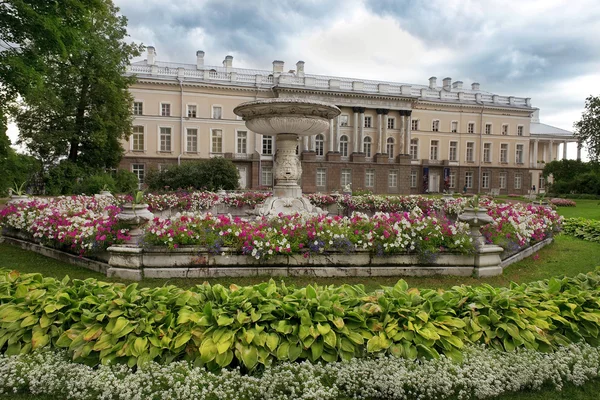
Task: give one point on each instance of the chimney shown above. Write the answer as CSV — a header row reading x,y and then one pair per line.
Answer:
x,y
457,85
447,84
432,82
199,59
277,67
475,86
228,63
151,54
300,69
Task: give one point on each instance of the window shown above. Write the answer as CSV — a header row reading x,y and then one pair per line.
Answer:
x,y
346,177
343,120
319,144
471,127
505,129
192,140
267,176
502,180
488,129
413,179
267,145
165,109
518,181
138,170
485,180
433,153
504,153
435,125
470,151
453,156
415,125
469,180
393,179
391,123
368,121
390,147
138,138
165,139
541,183
321,173
487,152
242,142
367,146
452,180
344,145
369,178
520,130
519,154
414,149
454,127
217,141
217,112
138,108
191,111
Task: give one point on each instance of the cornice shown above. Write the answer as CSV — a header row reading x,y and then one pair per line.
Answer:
x,y
475,106
204,85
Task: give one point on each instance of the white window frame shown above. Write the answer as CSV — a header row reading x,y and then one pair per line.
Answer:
x,y
145,138
143,107
485,183
320,145
266,138
502,180
143,169
237,138
212,111
158,138
472,152
393,120
414,146
212,132
485,128
370,147
266,172
522,161
435,125
187,110
346,143
469,125
437,149
452,180
321,177
393,178
489,152
507,153
414,125
347,123
414,178
522,129
346,172
370,119
387,147
505,131
456,155
518,181
369,178
160,110
452,130
469,179
187,149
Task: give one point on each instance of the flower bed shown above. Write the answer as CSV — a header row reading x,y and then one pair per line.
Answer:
x,y
484,373
202,201
257,325
563,202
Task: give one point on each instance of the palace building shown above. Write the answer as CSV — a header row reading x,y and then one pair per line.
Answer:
x,y
391,138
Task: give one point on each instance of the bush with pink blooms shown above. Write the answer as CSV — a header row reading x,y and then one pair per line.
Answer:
x,y
563,202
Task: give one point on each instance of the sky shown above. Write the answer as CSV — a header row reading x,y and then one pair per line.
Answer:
x,y
548,50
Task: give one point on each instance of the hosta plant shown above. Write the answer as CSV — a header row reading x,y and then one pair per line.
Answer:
x,y
586,229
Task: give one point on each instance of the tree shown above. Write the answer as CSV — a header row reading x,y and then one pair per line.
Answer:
x,y
211,174
74,98
587,130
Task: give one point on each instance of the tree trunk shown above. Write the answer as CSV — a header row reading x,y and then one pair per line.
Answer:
x,y
79,119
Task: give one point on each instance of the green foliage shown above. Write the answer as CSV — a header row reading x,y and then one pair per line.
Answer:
x,y
95,184
587,129
574,177
586,229
64,178
257,325
212,174
125,181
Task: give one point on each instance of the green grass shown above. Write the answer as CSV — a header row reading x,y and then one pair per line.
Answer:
x,y
585,208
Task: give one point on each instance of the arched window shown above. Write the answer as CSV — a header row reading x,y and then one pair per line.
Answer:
x,y
319,144
367,146
344,145
390,147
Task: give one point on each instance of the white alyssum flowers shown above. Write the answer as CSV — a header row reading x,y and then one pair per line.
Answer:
x,y
484,373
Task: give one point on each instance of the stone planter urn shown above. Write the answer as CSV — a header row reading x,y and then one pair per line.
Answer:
x,y
476,218
18,199
134,217
105,193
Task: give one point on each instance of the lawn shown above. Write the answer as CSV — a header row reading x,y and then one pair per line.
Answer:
x,y
585,208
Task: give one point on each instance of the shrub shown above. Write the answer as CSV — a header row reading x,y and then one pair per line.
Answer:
x,y
63,178
125,181
249,326
212,174
563,202
586,229
95,184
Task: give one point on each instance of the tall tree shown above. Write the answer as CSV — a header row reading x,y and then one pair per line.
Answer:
x,y
74,98
587,130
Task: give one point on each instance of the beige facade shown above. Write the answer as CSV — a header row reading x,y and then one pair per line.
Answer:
x,y
389,138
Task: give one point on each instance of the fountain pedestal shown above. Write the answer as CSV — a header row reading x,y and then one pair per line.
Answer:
x,y
287,120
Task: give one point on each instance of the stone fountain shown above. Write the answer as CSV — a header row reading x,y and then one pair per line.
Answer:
x,y
287,120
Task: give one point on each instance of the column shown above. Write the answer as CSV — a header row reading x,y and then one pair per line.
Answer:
x,y
336,133
258,143
535,153
385,131
355,138
331,141
578,150
305,143
408,131
564,150
551,146
361,129
311,143
380,131
401,144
